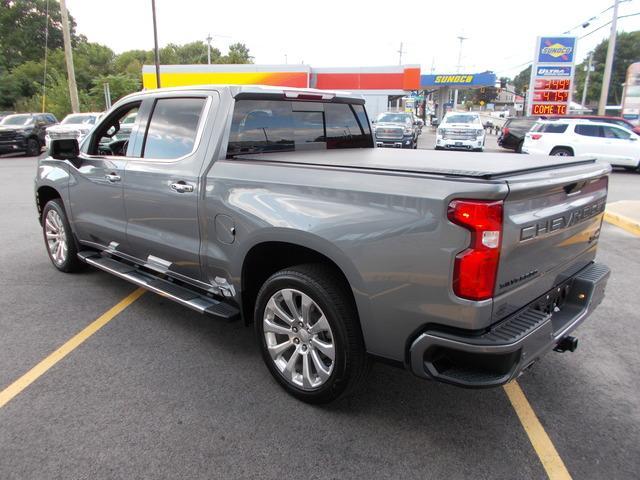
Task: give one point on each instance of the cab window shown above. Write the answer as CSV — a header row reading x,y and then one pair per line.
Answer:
x,y
260,126
111,137
172,129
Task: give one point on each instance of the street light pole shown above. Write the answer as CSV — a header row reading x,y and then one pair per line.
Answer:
x,y
208,39
606,79
586,80
155,40
68,56
455,93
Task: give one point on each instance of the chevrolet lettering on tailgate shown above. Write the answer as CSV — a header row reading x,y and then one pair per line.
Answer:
x,y
563,221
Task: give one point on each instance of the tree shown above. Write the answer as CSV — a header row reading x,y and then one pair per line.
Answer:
x,y
521,81
238,53
119,86
627,52
23,28
485,94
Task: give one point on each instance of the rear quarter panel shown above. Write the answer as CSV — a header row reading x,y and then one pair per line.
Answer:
x,y
388,234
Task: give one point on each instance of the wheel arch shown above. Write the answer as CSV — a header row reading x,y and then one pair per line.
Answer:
x,y
266,257
45,194
567,147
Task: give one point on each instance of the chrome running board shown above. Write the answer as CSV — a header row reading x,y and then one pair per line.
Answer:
x,y
178,293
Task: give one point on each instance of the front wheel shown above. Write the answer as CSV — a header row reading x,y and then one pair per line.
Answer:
x,y
309,333
58,238
33,147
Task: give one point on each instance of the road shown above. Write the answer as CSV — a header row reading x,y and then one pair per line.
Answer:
x,y
162,392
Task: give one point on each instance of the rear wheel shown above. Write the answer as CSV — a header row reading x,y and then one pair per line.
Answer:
x,y
309,333
519,147
58,238
562,152
33,147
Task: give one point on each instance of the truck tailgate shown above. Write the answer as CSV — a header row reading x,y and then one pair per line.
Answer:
x,y
552,223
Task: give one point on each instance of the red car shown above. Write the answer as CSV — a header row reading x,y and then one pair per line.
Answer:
x,y
621,122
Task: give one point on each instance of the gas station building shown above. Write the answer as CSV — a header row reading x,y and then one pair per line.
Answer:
x,y
382,87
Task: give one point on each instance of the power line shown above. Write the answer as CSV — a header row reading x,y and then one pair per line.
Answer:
x,y
584,25
609,23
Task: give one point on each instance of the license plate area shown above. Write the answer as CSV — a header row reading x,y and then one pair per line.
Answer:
x,y
553,300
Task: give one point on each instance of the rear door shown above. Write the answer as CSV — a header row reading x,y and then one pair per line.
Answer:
x,y
623,148
162,188
590,142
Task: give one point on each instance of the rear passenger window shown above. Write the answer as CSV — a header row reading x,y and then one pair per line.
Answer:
x,y
553,127
617,133
261,126
172,128
589,130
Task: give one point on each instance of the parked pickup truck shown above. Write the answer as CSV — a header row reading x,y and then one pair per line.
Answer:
x,y
274,206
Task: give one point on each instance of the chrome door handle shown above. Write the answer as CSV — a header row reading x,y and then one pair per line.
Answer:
x,y
182,187
112,177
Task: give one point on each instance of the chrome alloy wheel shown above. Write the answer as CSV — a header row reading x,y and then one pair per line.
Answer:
x,y
56,237
299,339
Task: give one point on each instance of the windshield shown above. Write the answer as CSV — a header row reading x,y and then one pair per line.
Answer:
x,y
394,118
75,119
17,120
462,119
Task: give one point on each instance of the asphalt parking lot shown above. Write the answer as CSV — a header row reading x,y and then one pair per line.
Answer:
x,y
162,392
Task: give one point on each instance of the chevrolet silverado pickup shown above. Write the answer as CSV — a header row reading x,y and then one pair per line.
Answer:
x,y
273,205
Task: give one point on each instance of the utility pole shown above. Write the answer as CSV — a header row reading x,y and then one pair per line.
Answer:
x,y
455,93
68,56
400,55
606,79
586,80
155,40
208,39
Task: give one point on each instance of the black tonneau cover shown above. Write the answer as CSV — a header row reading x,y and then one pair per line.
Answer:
x,y
483,165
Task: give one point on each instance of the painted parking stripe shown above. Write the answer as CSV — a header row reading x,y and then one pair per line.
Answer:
x,y
626,223
74,342
551,461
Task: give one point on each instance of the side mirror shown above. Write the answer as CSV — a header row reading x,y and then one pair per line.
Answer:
x,y
64,149
633,139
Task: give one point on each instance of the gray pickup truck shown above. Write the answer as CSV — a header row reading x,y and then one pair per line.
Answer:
x,y
274,206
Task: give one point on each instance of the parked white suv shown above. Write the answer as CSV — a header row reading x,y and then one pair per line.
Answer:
x,y
584,138
460,130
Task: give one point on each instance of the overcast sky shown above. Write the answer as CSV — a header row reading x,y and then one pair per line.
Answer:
x,y
501,34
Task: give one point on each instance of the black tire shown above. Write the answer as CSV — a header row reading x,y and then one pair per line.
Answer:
x,y
71,262
33,147
519,146
438,148
562,152
323,285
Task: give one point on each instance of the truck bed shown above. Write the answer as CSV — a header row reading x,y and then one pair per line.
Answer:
x,y
473,165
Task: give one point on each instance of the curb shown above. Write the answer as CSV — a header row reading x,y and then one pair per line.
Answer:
x,y
626,223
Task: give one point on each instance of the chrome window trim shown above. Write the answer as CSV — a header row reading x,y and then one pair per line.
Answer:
x,y
196,142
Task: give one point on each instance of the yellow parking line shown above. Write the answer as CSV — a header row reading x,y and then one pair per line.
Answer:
x,y
541,442
623,222
41,368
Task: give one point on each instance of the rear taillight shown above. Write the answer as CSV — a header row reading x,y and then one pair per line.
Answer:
x,y
536,136
505,131
476,268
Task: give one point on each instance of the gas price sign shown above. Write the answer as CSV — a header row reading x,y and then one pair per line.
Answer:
x,y
552,79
